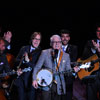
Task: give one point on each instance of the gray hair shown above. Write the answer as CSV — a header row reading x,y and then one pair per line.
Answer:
x,y
53,36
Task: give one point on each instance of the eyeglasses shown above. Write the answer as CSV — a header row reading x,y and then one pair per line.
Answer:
x,y
36,39
56,42
98,31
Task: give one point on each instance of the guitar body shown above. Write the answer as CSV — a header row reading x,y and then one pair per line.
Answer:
x,y
2,95
84,72
11,60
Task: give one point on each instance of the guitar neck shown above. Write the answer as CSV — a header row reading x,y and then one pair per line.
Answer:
x,y
95,61
15,72
7,74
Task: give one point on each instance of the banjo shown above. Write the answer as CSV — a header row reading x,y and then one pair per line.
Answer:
x,y
45,76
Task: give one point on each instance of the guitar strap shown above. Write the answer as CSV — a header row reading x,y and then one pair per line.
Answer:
x,y
61,54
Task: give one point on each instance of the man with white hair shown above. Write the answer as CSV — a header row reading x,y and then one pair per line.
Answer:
x,y
57,61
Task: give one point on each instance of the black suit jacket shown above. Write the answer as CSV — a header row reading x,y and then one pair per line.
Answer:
x,y
27,76
72,51
4,67
87,52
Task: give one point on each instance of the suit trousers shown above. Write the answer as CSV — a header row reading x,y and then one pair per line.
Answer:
x,y
22,92
52,94
93,88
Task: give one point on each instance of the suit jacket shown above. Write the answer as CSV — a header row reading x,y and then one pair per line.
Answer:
x,y
87,50
46,60
27,76
72,51
4,64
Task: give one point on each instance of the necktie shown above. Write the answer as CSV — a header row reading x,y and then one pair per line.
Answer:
x,y
63,48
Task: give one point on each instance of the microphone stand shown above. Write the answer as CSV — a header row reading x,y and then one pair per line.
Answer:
x,y
61,83
55,55
11,86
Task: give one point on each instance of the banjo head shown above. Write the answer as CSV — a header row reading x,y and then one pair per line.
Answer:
x,y
44,77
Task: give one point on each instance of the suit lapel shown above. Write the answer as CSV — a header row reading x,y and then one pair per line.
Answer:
x,y
68,49
51,59
28,49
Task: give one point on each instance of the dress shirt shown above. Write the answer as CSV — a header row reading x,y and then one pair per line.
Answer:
x,y
32,48
64,47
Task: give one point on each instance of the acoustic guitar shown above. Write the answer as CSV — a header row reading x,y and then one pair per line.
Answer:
x,y
11,60
88,66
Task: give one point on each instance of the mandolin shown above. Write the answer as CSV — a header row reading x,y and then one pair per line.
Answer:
x,y
10,59
14,72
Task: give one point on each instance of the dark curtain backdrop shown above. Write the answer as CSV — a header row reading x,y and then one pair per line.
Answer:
x,y
22,21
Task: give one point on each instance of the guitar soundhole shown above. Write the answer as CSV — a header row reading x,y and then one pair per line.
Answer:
x,y
90,68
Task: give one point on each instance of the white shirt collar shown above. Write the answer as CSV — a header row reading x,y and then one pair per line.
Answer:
x,y
65,47
98,41
32,48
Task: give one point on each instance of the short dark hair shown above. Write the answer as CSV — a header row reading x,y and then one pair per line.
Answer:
x,y
64,31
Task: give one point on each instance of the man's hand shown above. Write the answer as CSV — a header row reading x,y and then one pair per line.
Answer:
x,y
26,57
96,45
76,69
35,84
19,72
98,49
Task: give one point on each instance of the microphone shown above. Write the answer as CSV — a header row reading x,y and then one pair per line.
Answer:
x,y
55,53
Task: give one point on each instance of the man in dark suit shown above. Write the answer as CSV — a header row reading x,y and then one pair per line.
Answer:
x,y
27,57
66,46
73,52
4,67
55,60
93,47
8,36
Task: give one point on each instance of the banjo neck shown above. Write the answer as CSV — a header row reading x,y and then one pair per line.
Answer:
x,y
68,72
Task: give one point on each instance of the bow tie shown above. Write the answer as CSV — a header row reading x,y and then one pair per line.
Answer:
x,y
32,49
